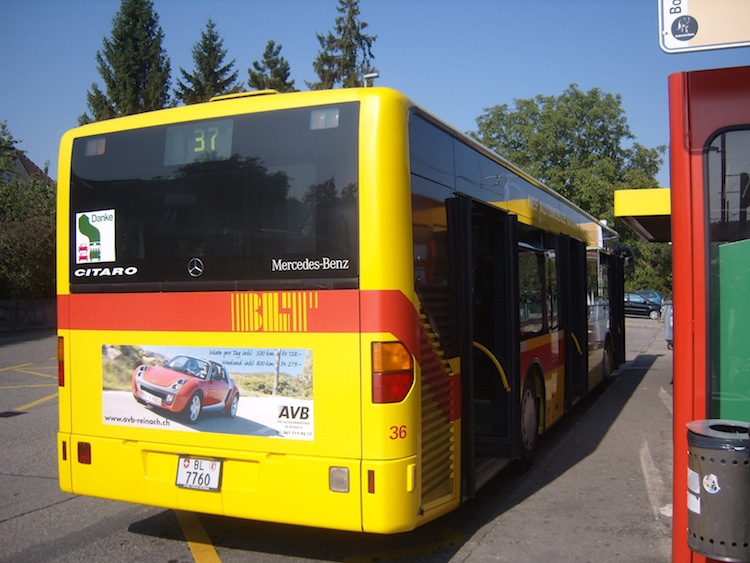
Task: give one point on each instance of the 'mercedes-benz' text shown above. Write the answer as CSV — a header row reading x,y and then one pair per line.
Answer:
x,y
308,265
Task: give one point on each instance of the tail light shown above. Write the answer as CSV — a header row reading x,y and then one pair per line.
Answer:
x,y
84,453
392,372
60,361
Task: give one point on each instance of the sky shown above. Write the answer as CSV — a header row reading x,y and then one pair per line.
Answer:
x,y
455,58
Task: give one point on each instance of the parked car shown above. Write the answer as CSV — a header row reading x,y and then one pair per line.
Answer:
x,y
188,386
652,295
637,304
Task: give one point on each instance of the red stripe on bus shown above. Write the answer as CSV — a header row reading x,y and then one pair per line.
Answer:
x,y
333,311
390,311
145,311
336,311
549,349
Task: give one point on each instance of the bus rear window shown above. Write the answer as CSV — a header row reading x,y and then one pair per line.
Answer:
x,y
255,201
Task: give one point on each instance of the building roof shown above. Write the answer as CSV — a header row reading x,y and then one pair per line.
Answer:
x,y
25,171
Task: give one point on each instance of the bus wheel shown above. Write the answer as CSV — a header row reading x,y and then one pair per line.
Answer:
x,y
231,409
529,427
193,409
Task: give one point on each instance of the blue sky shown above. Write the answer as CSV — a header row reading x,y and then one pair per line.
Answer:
x,y
454,57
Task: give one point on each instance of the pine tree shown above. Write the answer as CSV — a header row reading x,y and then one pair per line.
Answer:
x,y
346,54
272,72
133,65
211,77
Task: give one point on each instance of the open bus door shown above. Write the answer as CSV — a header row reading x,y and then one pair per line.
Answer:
x,y
484,248
574,322
620,264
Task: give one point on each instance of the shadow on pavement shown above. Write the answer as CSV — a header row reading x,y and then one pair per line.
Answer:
x,y
31,335
576,437
562,447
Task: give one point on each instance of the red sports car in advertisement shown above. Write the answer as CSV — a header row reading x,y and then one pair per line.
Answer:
x,y
188,386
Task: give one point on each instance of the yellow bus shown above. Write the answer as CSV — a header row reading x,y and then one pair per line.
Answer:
x,y
324,308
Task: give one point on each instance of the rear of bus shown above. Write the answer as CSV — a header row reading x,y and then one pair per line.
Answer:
x,y
236,319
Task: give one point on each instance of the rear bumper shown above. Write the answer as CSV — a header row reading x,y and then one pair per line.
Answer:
x,y
283,488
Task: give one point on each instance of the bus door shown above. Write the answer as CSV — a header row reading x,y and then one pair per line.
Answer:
x,y
573,317
484,245
617,271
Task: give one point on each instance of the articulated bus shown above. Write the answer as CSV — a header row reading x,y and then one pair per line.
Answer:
x,y
324,308
710,176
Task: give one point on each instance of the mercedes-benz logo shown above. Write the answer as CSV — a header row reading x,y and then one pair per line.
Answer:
x,y
195,267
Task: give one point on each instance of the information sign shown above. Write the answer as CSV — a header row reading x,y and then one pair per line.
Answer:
x,y
698,25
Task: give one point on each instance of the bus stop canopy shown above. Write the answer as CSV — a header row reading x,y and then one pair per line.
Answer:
x,y
648,212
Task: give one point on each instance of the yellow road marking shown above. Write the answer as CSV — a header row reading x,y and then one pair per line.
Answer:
x,y
15,367
37,402
198,541
28,371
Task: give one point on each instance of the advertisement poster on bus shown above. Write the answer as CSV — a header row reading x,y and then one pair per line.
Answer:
x,y
246,391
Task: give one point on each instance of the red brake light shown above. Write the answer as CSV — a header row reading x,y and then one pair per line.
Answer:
x,y
60,361
392,372
84,453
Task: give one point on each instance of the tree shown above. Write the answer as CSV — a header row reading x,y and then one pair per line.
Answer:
x,y
27,238
133,65
7,148
272,73
346,54
580,145
211,76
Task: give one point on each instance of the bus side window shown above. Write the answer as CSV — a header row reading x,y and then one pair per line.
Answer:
x,y
531,290
550,263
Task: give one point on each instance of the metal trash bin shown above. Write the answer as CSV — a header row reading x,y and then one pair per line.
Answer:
x,y
667,315
718,495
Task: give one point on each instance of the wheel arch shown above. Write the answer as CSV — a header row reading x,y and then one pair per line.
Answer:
x,y
536,373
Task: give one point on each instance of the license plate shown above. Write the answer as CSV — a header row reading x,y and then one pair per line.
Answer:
x,y
198,473
153,399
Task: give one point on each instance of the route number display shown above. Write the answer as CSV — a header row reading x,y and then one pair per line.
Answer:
x,y
202,141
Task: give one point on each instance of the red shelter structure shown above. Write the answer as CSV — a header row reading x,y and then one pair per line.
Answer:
x,y
710,196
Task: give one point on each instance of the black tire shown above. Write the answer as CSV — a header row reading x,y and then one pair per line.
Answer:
x,y
528,428
194,408
231,410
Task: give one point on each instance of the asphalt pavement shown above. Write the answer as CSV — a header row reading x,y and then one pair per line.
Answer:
x,y
602,490
599,491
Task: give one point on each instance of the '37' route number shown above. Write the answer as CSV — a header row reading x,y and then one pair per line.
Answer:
x,y
205,139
